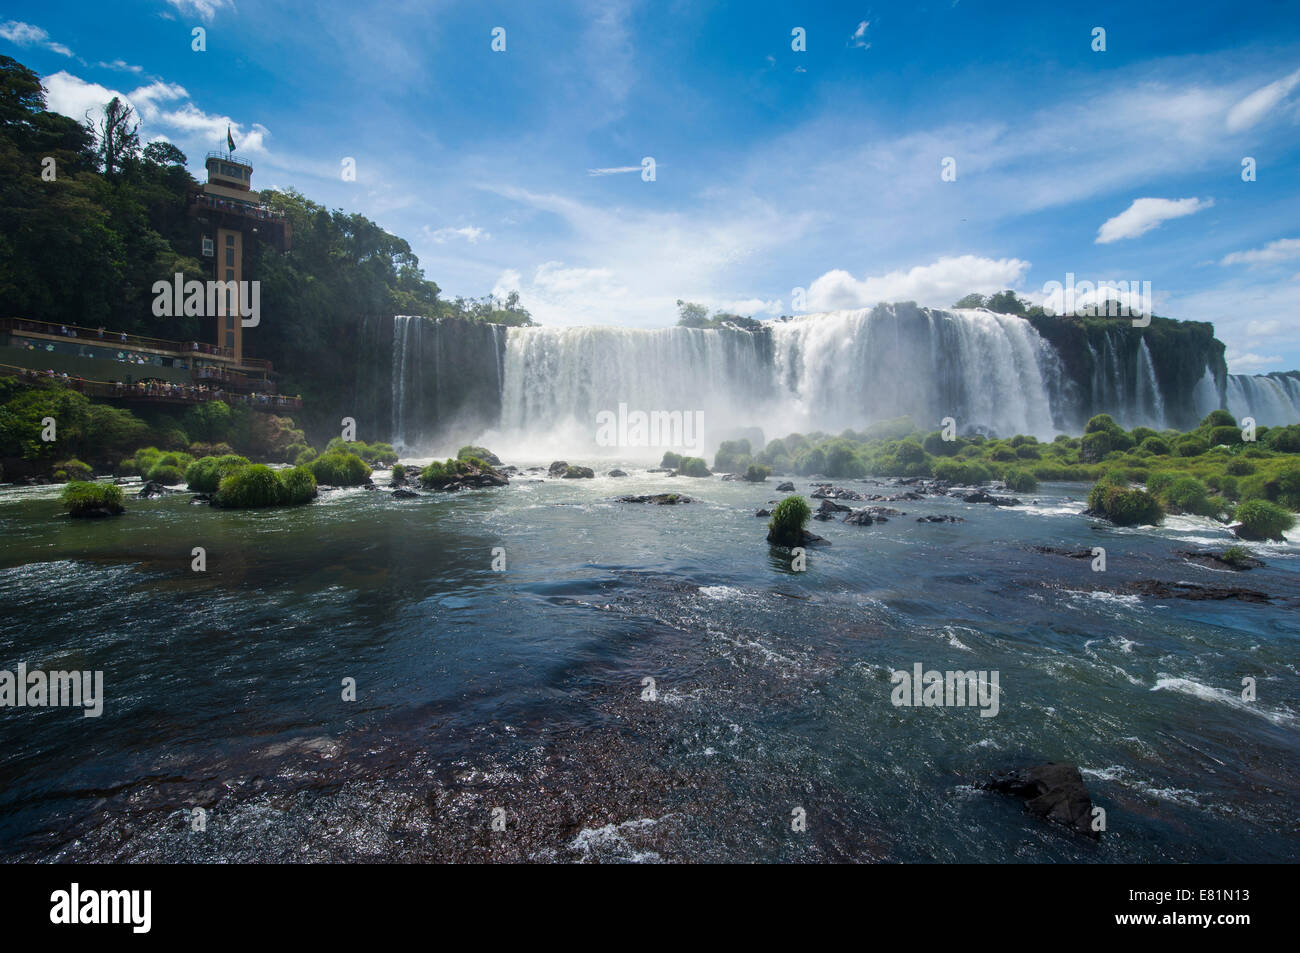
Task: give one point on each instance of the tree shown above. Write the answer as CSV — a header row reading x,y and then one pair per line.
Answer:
x,y
972,301
163,153
119,137
691,315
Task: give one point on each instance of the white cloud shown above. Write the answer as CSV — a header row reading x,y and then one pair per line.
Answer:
x,y
1146,214
617,170
24,34
1281,250
122,66
1261,102
469,233
859,38
204,9
1249,363
748,307
937,285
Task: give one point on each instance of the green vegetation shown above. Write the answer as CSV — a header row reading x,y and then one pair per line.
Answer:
x,y
478,453
691,315
1238,556
72,469
1262,520
205,475
692,467
671,460
789,518
339,468
257,486
375,454
757,473
91,499
732,456
399,473
1124,506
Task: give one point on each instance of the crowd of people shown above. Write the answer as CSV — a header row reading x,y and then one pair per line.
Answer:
x,y
162,390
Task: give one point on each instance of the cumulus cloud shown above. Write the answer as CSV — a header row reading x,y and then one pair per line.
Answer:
x,y
24,34
1253,108
1146,214
1281,250
936,285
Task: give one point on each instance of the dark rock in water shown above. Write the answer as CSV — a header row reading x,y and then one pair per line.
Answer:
x,y
557,468
577,473
763,513
616,473
659,499
732,477
824,491
369,486
980,496
152,489
806,539
1052,791
1069,553
1193,591
200,499
860,517
537,469
404,494
830,506
672,473
1237,563
508,471
468,476
659,470
940,519
786,487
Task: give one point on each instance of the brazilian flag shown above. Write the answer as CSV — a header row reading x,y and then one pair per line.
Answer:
x,y
230,140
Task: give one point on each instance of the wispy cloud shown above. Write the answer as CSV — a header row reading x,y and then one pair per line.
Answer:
x,y
1283,249
858,40
206,10
1253,108
468,233
24,34
617,170
1144,215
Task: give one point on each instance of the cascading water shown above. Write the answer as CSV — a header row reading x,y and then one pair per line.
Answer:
x,y
540,390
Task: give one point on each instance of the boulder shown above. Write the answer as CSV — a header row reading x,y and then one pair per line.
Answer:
x,y
1052,791
828,509
659,499
763,513
862,517
806,539
557,468
152,489
404,494
980,496
577,473
940,519
200,499
616,473
467,476
786,487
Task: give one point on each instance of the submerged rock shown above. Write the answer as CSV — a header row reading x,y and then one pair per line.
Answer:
x,y
1238,562
763,513
980,496
1068,553
1193,591
616,473
786,487
659,499
1052,791
806,539
152,489
404,494
940,519
200,499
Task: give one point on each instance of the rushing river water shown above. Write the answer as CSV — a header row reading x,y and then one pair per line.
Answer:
x,y
522,689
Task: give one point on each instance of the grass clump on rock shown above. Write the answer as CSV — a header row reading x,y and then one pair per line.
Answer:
x,y
1114,500
205,475
478,453
790,516
1261,519
257,486
757,473
693,467
84,499
339,468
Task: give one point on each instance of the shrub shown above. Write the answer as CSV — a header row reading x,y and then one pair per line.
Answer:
x,y
1224,435
1288,487
1191,447
1156,446
1189,495
1095,446
789,517
305,457
1160,482
966,472
842,459
204,476
81,498
470,452
399,473
166,475
731,455
74,469
1237,556
339,468
1283,439
757,473
1003,455
693,467
671,460
1124,507
812,460
1239,467
250,487
297,486
1217,418
935,445
1028,451
1022,481
1261,519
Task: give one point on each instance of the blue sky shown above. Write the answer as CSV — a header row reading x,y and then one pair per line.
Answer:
x,y
775,169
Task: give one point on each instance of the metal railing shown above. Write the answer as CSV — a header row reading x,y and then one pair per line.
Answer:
x,y
154,390
116,338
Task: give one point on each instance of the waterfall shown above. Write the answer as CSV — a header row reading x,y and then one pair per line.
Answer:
x,y
1272,399
1150,403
